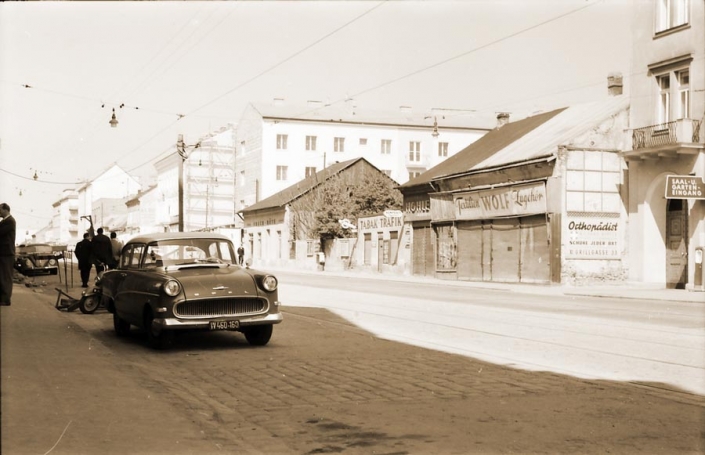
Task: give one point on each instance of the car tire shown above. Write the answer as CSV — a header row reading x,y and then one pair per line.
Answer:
x,y
121,326
158,339
89,304
258,335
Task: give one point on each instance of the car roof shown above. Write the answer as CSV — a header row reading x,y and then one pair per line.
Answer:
x,y
159,236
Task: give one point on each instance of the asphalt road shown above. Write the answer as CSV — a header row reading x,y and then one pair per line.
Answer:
x,y
324,384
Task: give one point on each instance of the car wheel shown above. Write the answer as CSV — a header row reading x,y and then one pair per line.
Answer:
x,y
258,335
121,326
89,304
158,339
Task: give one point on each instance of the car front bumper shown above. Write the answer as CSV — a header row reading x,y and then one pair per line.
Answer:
x,y
190,324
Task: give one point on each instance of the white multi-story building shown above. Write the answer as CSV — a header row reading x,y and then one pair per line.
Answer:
x,y
667,224
280,144
205,173
100,200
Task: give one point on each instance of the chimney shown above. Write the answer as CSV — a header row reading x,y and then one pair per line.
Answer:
x,y
502,119
614,84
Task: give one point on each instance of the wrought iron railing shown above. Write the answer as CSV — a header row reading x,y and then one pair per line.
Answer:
x,y
683,130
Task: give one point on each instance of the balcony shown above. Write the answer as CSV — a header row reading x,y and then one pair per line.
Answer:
x,y
666,140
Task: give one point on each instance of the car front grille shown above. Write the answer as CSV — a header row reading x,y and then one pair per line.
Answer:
x,y
220,307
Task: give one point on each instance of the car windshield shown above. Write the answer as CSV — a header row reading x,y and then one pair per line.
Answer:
x,y
38,248
189,251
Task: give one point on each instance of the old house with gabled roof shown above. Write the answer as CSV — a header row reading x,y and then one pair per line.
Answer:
x,y
539,200
277,231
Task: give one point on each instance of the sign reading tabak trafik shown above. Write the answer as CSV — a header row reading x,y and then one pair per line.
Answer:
x,y
684,187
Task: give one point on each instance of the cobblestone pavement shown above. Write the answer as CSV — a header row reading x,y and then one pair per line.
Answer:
x,y
321,386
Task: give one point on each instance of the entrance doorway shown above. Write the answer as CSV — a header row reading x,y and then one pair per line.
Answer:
x,y
676,244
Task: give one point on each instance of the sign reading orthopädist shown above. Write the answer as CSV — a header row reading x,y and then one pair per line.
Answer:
x,y
517,200
684,187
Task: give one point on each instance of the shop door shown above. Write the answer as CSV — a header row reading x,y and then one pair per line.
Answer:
x,y
470,250
422,251
676,247
535,256
368,249
505,250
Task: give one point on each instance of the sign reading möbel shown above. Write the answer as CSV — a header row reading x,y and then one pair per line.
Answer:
x,y
684,187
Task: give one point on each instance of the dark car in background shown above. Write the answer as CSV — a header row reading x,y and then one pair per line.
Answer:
x,y
37,259
168,282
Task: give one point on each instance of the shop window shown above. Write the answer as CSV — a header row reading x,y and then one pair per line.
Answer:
x,y
593,182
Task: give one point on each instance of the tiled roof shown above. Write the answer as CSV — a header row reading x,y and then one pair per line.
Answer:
x,y
353,114
301,187
523,140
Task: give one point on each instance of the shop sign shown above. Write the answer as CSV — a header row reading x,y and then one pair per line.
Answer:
x,y
380,223
684,187
593,238
518,200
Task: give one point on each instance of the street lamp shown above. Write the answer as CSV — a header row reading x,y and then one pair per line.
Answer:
x,y
114,121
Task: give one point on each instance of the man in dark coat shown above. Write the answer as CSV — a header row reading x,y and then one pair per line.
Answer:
x,y
8,228
102,251
84,254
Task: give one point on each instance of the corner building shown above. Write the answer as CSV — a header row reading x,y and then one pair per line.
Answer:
x,y
666,224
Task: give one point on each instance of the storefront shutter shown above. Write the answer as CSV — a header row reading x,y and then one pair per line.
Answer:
x,y
470,250
535,254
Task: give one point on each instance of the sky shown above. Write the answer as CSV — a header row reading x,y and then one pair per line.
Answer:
x,y
191,68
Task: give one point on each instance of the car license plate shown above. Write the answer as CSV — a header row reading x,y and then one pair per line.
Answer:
x,y
224,325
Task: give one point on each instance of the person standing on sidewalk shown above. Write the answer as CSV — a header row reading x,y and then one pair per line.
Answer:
x,y
84,254
8,229
240,255
117,249
102,251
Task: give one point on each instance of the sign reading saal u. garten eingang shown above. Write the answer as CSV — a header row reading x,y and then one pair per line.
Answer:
x,y
684,187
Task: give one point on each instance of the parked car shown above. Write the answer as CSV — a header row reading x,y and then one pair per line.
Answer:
x,y
37,259
174,281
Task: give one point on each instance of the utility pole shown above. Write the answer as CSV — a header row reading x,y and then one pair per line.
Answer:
x,y
181,150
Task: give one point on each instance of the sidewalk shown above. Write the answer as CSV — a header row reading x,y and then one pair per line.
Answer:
x,y
639,291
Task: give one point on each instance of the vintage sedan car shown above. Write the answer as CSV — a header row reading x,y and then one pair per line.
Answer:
x,y
174,281
37,259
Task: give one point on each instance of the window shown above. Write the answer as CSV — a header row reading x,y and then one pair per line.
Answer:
x,y
414,174
310,170
281,141
443,149
593,182
310,142
671,13
363,141
339,144
414,151
683,78
242,178
386,146
664,99
281,172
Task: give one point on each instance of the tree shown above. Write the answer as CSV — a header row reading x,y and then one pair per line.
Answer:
x,y
317,214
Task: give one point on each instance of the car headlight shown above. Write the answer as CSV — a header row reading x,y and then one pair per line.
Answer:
x,y
172,288
269,283
52,262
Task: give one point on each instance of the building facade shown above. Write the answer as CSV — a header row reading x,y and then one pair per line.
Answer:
x,y
280,144
540,200
666,159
